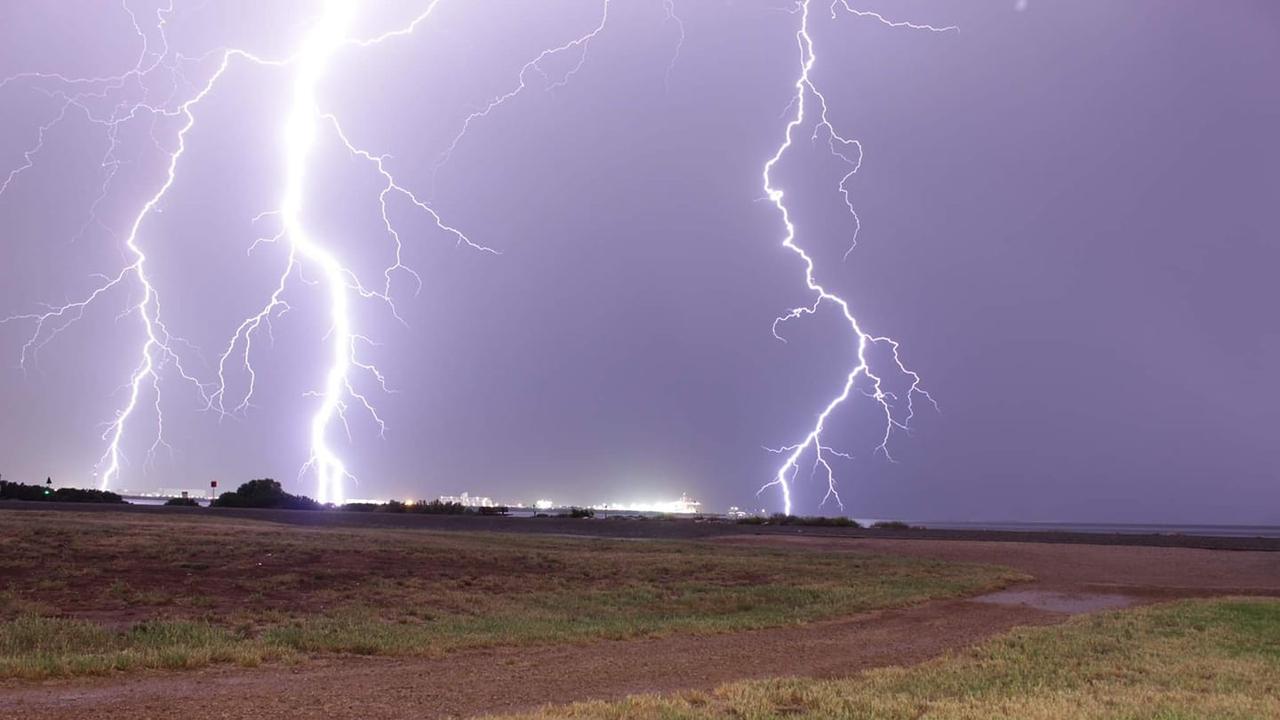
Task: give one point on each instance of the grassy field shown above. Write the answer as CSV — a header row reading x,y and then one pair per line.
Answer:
x,y
92,593
1182,661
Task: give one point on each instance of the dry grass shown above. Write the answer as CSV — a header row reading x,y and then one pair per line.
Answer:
x,y
91,593
1182,661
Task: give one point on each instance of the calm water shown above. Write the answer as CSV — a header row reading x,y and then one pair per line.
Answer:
x,y
1127,528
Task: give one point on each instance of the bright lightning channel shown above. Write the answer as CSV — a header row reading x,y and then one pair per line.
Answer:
x,y
897,412
301,132
303,127
158,346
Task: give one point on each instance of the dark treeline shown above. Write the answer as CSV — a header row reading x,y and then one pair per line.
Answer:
x,y
20,491
434,507
782,519
267,493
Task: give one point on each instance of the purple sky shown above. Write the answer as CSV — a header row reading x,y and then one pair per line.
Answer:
x,y
1067,221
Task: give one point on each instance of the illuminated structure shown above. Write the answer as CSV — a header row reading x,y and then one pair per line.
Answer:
x,y
684,506
468,501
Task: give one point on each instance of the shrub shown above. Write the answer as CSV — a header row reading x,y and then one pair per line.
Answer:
x,y
828,522
578,512
83,495
436,507
182,502
784,519
265,493
892,525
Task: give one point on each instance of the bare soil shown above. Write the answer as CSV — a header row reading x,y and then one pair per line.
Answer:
x,y
1152,572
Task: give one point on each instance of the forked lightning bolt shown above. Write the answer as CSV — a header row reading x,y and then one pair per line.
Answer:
x,y
579,46
307,124
157,351
111,101
808,107
304,127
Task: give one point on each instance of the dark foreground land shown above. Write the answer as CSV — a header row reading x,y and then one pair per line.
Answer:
x,y
152,613
659,528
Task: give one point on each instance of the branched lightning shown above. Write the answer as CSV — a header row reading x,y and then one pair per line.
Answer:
x,y
159,350
158,347
304,126
866,376
580,45
311,259
110,102
669,7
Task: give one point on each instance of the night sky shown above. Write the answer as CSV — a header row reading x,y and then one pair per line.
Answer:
x,y
1068,222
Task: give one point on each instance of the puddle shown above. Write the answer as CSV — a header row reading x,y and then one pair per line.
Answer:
x,y
1063,602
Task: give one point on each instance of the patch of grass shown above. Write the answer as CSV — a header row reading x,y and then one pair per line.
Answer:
x,y
14,604
1181,661
37,647
98,593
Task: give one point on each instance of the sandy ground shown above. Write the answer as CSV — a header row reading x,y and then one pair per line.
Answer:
x,y
1070,578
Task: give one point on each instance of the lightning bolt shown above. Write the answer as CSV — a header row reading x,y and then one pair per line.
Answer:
x,y
307,125
669,8
580,45
301,134
808,105
304,126
159,350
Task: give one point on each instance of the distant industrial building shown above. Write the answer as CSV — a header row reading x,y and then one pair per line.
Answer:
x,y
468,501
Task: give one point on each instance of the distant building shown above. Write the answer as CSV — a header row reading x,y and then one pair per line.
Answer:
x,y
468,501
688,505
684,506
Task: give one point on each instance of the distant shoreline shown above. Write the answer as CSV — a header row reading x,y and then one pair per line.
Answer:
x,y
1205,530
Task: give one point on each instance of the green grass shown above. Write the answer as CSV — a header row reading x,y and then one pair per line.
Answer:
x,y
1181,661
36,647
95,593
